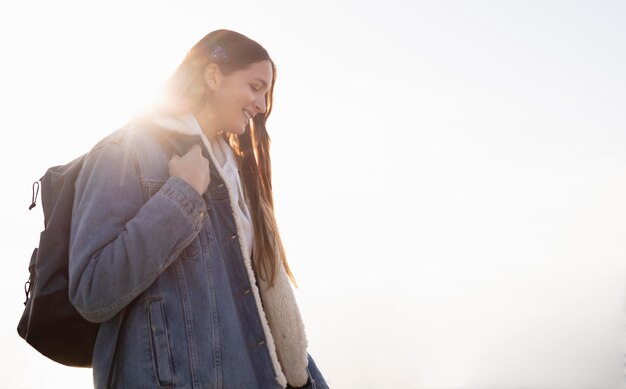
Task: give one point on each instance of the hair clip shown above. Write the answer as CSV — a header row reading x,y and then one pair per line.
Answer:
x,y
217,52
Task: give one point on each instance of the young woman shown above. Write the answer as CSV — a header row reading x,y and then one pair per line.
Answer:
x,y
174,246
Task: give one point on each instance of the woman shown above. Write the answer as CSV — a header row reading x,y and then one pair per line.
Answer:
x,y
174,246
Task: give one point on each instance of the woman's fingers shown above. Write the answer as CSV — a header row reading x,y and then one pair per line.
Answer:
x,y
193,168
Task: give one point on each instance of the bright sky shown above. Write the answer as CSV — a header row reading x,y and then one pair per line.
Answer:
x,y
450,176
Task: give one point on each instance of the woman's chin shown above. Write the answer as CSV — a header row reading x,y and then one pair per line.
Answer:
x,y
237,131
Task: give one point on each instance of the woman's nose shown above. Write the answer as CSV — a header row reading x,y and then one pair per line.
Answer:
x,y
261,105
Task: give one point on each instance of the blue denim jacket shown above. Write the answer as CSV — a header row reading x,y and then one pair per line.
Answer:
x,y
160,267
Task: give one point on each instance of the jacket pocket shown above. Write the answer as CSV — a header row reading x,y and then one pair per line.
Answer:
x,y
202,241
159,342
192,250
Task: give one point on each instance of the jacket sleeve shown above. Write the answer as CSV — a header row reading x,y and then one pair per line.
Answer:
x,y
119,243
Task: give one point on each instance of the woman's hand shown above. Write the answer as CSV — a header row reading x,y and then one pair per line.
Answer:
x,y
193,168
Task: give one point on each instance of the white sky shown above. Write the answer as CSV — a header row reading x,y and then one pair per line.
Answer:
x,y
450,176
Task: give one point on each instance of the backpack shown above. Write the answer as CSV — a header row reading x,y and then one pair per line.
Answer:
x,y
50,323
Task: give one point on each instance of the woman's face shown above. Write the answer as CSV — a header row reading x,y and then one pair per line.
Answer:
x,y
239,96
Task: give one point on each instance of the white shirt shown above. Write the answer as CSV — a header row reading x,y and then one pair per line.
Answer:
x,y
228,164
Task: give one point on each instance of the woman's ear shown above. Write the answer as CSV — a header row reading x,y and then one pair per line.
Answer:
x,y
212,76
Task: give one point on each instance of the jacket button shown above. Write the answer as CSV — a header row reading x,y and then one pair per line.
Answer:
x,y
202,215
257,344
246,291
234,236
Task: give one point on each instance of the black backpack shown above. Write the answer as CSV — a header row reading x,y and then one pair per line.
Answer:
x,y
50,323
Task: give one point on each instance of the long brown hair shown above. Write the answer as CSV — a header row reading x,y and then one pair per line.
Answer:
x,y
185,91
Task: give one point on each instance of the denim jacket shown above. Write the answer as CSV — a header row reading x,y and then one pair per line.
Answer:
x,y
162,269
